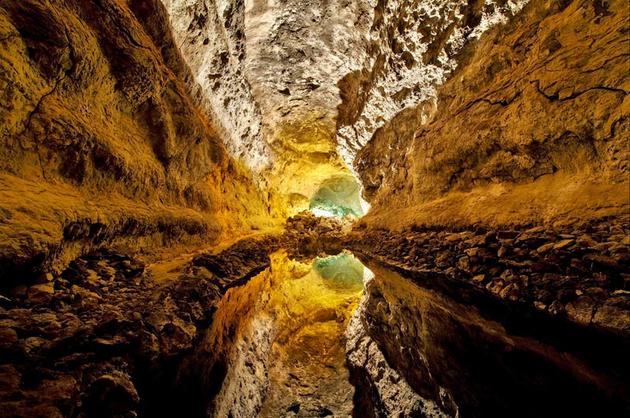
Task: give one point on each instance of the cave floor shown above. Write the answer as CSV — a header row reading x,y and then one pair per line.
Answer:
x,y
320,321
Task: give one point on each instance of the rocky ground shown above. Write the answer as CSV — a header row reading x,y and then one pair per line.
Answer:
x,y
578,272
103,338
96,340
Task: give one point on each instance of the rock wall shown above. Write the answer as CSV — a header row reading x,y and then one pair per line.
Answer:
x,y
531,127
211,37
101,141
409,49
299,90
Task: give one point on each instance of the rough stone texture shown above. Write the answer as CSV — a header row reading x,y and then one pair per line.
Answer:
x,y
410,48
580,273
532,126
104,339
100,139
101,334
211,37
293,63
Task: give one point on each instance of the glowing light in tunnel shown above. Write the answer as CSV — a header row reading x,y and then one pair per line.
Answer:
x,y
323,212
338,196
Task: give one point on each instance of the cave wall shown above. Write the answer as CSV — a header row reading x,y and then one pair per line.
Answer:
x,y
302,87
410,48
101,141
211,37
267,71
531,127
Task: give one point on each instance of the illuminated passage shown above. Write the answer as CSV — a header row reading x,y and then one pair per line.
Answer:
x,y
282,339
338,196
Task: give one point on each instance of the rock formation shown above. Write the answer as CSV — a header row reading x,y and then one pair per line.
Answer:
x,y
531,127
101,139
181,182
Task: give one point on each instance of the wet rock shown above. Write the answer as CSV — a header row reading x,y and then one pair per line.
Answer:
x,y
111,395
615,313
581,310
8,337
601,260
43,278
545,248
495,285
546,265
40,293
560,245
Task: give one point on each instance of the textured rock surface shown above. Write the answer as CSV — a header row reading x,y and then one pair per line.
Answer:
x,y
293,64
99,343
100,138
575,273
409,49
128,125
532,126
211,37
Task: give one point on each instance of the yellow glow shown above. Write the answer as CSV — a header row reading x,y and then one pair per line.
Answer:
x,y
305,157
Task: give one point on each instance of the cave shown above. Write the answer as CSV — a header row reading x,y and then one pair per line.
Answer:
x,y
402,208
338,196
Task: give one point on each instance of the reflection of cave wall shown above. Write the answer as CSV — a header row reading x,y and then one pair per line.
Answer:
x,y
459,352
282,327
338,196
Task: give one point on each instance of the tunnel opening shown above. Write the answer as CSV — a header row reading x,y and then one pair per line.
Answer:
x,y
339,197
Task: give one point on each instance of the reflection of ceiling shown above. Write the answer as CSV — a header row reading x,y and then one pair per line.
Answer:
x,y
340,271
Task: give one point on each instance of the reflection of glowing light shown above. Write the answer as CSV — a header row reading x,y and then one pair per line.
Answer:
x,y
322,212
367,275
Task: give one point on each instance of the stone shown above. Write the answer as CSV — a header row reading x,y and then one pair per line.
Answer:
x,y
44,278
111,394
495,285
33,344
600,260
560,245
40,293
479,279
545,248
510,292
586,241
8,337
581,310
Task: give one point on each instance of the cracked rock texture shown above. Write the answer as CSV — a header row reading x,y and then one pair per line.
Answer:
x,y
101,141
410,48
211,37
532,126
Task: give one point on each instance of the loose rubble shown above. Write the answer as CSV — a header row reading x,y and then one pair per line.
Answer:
x,y
580,272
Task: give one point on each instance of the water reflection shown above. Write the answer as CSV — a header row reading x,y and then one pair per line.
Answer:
x,y
462,359
330,337
282,339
